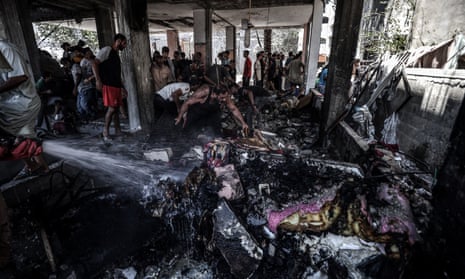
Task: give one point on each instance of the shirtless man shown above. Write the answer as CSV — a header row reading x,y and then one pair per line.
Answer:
x,y
207,102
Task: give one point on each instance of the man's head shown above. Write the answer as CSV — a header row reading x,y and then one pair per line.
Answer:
x,y
157,58
120,42
220,93
81,43
77,56
65,45
165,51
88,52
234,88
246,53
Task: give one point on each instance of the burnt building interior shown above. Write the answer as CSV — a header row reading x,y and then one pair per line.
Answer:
x,y
363,181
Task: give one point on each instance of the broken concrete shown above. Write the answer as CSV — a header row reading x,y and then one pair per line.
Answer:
x,y
342,220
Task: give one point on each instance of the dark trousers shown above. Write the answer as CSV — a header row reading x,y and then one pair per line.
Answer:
x,y
161,106
204,115
245,82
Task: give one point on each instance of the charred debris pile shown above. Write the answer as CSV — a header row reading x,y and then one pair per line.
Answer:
x,y
271,207
294,217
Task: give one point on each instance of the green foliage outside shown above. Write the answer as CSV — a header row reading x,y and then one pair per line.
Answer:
x,y
285,40
49,37
393,34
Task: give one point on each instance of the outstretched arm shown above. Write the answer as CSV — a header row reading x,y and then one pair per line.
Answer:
x,y
199,96
252,100
237,114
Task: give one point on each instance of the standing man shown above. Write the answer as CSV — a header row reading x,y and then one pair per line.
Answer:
x,y
19,107
295,74
259,68
161,73
165,52
107,72
247,73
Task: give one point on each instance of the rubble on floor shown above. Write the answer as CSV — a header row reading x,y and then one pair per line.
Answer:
x,y
271,206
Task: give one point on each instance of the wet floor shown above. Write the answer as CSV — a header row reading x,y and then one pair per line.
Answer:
x,y
110,224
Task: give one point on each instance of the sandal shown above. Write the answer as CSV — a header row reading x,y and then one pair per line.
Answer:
x,y
106,139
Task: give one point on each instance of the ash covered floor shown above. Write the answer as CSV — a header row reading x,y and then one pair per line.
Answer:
x,y
272,207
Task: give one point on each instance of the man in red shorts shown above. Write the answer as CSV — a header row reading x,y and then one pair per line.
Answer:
x,y
107,72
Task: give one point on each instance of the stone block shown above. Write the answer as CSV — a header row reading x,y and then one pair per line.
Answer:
x,y
159,154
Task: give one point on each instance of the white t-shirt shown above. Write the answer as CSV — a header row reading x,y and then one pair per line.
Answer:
x,y
19,106
103,53
167,91
19,67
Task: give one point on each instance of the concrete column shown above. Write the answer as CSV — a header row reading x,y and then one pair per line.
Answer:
x,y
312,49
17,23
231,41
172,36
345,37
267,40
203,34
133,23
105,26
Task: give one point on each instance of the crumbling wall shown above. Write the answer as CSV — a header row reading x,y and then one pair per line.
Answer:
x,y
428,118
437,21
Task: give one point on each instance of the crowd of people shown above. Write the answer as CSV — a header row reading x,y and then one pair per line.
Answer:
x,y
194,93
91,85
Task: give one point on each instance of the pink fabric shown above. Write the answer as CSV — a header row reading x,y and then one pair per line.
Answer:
x,y
276,217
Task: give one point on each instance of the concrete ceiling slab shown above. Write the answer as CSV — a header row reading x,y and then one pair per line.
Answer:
x,y
178,14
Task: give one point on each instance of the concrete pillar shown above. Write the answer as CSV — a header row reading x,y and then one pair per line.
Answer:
x,y
203,34
267,40
105,26
231,41
17,23
312,49
133,23
172,36
345,37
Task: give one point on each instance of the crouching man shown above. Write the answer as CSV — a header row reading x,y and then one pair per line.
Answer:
x,y
204,107
169,98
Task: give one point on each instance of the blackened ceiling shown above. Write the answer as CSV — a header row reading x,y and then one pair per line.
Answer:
x,y
177,14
